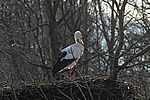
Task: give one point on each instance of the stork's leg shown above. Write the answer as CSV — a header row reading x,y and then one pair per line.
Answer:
x,y
70,73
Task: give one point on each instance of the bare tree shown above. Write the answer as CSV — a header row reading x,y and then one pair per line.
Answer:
x,y
114,32
116,37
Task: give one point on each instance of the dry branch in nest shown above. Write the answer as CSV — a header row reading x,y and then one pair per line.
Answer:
x,y
94,89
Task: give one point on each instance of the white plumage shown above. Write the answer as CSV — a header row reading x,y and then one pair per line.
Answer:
x,y
70,55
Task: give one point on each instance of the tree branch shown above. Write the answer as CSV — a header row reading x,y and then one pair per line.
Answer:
x,y
37,65
145,50
139,63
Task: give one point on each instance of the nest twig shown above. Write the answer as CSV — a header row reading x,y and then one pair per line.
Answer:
x,y
94,89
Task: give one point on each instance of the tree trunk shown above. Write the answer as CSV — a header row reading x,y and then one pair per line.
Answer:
x,y
55,44
113,74
53,29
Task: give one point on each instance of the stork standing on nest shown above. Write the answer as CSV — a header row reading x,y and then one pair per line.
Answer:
x,y
70,55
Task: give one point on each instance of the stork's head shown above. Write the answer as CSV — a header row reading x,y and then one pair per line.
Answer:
x,y
78,37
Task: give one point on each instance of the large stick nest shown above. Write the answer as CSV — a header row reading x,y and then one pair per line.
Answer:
x,y
94,89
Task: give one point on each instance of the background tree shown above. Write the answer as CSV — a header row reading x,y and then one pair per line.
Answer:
x,y
115,33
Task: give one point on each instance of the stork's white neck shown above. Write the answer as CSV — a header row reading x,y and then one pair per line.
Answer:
x,y
79,41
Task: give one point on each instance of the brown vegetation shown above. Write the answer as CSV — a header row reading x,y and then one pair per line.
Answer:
x,y
95,89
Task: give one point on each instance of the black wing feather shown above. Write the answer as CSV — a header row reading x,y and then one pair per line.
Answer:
x,y
62,55
60,64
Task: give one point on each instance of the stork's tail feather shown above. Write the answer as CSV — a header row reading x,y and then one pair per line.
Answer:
x,y
56,68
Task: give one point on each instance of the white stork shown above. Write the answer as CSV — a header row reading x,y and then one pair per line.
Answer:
x,y
70,55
